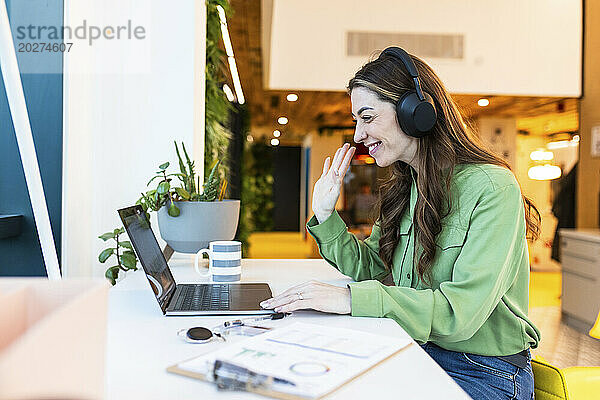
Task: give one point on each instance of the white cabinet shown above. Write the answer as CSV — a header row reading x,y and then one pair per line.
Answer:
x,y
580,259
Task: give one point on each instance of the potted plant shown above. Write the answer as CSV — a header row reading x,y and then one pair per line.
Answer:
x,y
123,252
187,222
189,219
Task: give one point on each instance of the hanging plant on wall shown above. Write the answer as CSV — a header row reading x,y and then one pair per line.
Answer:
x,y
217,136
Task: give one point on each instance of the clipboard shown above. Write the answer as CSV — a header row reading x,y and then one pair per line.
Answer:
x,y
174,369
284,392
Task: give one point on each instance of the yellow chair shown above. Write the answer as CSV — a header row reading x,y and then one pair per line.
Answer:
x,y
595,331
583,382
549,381
573,383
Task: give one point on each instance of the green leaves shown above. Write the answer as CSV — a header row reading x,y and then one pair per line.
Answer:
x,y
184,194
103,256
166,194
128,260
191,178
163,188
211,187
182,168
187,175
106,236
152,180
173,210
112,274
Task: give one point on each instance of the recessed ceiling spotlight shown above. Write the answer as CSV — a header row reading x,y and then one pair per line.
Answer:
x,y
292,97
483,102
560,144
282,120
276,133
541,155
274,142
544,172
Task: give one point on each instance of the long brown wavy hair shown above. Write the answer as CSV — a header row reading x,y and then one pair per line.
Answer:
x,y
451,142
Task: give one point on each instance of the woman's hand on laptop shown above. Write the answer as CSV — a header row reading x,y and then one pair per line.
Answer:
x,y
314,295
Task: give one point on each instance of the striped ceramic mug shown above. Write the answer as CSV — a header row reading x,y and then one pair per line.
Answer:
x,y
225,260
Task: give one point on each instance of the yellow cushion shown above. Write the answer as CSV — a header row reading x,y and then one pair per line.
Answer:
x,y
582,382
549,381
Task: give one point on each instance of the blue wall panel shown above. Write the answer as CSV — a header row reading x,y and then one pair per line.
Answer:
x,y
21,255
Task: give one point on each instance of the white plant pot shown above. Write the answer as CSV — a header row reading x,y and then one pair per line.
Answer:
x,y
199,223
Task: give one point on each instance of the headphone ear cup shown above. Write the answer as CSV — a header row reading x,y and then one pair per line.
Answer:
x,y
425,115
415,116
401,115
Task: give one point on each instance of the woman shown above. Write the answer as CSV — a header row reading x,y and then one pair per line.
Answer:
x,y
462,290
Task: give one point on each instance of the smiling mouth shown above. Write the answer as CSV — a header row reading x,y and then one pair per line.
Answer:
x,y
374,147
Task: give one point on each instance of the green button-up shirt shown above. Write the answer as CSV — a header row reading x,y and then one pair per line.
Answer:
x,y
478,296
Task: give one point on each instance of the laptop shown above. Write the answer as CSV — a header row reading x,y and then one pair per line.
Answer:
x,y
187,299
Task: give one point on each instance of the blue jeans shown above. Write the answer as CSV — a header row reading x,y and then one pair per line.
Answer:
x,y
484,377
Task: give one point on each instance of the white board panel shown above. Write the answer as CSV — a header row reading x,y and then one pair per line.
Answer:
x,y
511,47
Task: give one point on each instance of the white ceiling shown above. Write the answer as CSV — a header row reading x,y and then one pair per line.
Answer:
x,y
511,47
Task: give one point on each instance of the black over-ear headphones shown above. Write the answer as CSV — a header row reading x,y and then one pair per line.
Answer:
x,y
415,109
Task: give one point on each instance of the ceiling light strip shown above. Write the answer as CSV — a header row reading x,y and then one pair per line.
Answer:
x,y
228,92
237,85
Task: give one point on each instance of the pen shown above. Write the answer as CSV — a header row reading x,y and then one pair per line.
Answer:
x,y
245,321
229,376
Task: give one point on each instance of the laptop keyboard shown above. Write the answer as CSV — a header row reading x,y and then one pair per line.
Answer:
x,y
203,297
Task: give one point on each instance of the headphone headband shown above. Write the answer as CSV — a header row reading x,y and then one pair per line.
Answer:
x,y
410,66
403,56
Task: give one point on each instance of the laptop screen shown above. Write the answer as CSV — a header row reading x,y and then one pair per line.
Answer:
x,y
137,224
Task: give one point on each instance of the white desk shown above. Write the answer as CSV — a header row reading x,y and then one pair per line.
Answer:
x,y
142,342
